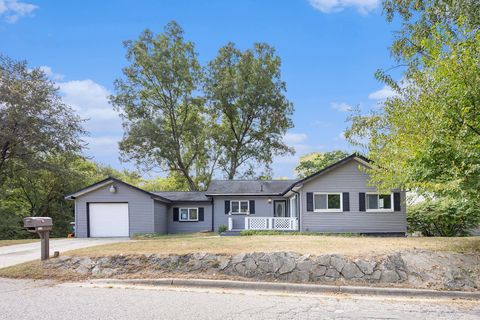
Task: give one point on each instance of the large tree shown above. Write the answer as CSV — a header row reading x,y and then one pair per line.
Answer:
x,y
34,122
427,137
315,161
245,91
163,116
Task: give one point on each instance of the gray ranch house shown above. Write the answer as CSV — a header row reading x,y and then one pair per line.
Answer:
x,y
336,199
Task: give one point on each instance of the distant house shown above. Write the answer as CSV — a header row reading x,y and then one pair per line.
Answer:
x,y
336,199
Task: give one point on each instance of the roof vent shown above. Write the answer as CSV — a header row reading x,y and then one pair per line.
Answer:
x,y
261,187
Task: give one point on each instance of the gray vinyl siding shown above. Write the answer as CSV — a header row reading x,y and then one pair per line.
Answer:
x,y
140,208
348,178
190,226
262,209
160,211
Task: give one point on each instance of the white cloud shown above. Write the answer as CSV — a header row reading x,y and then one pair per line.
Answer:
x,y
321,124
294,138
12,10
90,101
328,6
382,94
299,142
102,146
344,107
49,72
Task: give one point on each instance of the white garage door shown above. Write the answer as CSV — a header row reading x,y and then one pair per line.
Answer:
x,y
108,219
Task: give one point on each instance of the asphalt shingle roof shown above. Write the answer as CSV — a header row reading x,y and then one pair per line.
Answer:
x,y
183,195
250,187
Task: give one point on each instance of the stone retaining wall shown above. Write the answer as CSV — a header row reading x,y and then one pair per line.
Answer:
x,y
283,266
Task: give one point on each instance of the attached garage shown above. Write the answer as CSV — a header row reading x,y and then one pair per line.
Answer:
x,y
113,208
108,220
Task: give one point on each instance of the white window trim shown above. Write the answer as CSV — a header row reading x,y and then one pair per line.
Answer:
x,y
378,210
188,211
328,210
239,206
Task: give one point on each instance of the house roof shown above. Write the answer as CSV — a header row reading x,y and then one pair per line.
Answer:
x,y
183,195
353,156
226,187
108,181
248,187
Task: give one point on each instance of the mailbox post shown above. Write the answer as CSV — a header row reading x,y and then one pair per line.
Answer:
x,y
42,226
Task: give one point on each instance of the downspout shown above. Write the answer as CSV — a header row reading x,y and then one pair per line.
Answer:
x,y
297,204
213,216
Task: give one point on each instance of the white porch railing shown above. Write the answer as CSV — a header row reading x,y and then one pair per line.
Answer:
x,y
271,223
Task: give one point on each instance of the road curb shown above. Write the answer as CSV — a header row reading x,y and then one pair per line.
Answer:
x,y
291,287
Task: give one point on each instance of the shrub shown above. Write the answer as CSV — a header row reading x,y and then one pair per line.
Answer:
x,y
443,217
222,228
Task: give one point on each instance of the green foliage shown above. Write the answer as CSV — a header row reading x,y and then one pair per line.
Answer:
x,y
191,121
443,217
173,182
162,116
245,91
315,161
222,228
34,122
427,137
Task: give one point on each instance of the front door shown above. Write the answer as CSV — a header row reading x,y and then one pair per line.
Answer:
x,y
280,208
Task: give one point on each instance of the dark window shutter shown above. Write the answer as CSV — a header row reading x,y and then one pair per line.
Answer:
x,y
361,201
175,214
346,201
309,201
396,201
252,206
200,214
227,206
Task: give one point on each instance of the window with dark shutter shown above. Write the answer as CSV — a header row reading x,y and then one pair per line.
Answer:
x,y
175,214
346,201
252,206
396,201
310,201
227,206
201,214
361,201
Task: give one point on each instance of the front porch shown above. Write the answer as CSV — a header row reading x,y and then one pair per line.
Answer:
x,y
265,223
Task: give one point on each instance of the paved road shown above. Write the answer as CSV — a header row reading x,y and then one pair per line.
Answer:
x,y
12,255
20,299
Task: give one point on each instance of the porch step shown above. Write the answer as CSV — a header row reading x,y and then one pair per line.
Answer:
x,y
230,233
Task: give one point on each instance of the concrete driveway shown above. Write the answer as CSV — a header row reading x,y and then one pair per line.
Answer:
x,y
19,253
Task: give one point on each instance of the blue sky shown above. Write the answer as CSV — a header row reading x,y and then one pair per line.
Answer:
x,y
330,50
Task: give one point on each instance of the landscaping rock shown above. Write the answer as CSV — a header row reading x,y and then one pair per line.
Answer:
x,y
450,271
350,271
338,262
367,267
